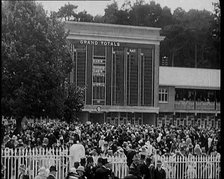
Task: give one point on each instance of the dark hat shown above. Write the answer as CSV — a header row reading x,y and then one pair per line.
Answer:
x,y
89,159
53,168
148,160
100,160
82,160
105,161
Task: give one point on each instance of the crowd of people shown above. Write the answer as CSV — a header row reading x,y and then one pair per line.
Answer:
x,y
109,139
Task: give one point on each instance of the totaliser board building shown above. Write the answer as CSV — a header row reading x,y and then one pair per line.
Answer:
x,y
119,67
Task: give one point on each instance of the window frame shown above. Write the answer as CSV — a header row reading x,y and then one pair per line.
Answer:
x,y
163,95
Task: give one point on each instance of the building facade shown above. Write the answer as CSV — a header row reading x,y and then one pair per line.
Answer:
x,y
119,67
189,96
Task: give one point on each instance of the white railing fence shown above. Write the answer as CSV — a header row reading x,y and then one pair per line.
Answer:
x,y
33,159
201,167
191,167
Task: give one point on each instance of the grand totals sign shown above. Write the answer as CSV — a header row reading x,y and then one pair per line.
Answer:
x,y
97,42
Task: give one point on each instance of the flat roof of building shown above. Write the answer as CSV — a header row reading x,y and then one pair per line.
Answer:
x,y
113,32
197,78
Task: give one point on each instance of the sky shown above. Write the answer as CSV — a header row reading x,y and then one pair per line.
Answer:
x,y
94,7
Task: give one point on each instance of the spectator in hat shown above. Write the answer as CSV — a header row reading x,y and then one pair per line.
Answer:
x,y
72,174
83,162
152,169
101,172
45,142
107,166
42,173
80,170
159,171
52,174
76,165
20,143
89,170
197,150
144,168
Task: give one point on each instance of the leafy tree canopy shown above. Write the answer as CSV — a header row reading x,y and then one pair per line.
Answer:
x,y
67,12
35,61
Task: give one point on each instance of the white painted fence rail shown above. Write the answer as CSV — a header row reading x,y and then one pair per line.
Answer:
x,y
176,167
39,157
191,167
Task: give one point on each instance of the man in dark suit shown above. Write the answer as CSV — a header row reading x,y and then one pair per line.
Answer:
x,y
159,171
101,171
144,168
89,170
52,174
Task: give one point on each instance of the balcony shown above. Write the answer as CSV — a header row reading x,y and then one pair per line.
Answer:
x,y
199,106
184,105
205,105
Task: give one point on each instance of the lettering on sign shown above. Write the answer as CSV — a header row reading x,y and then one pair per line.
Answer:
x,y
96,42
98,61
99,84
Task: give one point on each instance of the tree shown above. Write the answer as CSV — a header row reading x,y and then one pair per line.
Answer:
x,y
178,15
35,61
166,17
67,12
187,40
145,14
74,102
98,19
111,13
214,35
84,17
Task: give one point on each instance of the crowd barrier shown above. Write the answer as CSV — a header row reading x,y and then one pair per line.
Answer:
x,y
201,167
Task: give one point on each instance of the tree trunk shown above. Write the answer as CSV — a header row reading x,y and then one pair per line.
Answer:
x,y
18,125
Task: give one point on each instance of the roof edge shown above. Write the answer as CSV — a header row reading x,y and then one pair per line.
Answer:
x,y
114,25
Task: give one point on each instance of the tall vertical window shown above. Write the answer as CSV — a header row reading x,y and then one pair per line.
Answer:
x,y
163,95
99,75
146,77
118,76
132,77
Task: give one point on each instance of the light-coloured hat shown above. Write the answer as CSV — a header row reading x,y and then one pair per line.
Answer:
x,y
73,170
80,168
